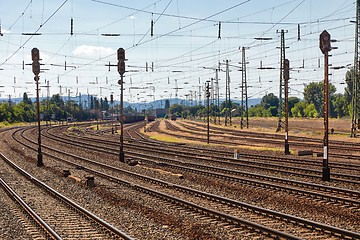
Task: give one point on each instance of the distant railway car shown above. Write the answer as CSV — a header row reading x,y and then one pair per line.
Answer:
x,y
133,118
151,118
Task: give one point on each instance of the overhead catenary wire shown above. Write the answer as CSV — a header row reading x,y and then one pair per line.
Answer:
x,y
199,55
22,45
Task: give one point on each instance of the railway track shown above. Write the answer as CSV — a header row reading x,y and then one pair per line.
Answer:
x,y
345,165
131,131
55,215
202,161
346,171
338,149
234,210
32,226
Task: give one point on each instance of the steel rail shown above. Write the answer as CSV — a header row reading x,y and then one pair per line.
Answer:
x,y
230,202
67,200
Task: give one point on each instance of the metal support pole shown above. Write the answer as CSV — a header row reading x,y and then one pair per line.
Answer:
x,y
286,79
355,76
325,47
326,169
121,154
281,108
121,70
218,93
39,156
208,111
244,96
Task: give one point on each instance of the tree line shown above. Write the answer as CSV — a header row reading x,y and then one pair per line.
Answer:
x,y
55,109
311,106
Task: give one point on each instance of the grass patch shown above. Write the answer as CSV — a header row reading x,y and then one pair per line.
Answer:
x,y
7,124
258,148
166,138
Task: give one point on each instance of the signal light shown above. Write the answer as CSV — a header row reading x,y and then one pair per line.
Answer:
x,y
36,67
121,67
121,60
121,54
325,44
35,54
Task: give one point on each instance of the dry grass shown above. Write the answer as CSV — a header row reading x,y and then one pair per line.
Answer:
x,y
297,127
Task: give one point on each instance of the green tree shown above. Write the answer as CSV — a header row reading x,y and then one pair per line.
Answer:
x,y
5,112
58,107
271,103
292,102
340,105
310,111
314,93
299,109
24,112
194,110
167,104
176,109
349,79
26,99
259,111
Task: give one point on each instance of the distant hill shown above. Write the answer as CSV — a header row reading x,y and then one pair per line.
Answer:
x,y
139,106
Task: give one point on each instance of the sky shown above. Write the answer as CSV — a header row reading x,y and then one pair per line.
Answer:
x,y
189,40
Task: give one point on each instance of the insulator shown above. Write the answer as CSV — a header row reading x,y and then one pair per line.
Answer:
x,y
152,27
71,27
299,33
219,34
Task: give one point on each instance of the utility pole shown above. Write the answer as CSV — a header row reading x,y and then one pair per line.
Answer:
x,y
212,94
97,113
121,70
244,97
176,91
199,95
325,47
355,102
112,112
48,102
281,107
227,95
218,92
35,55
286,78
207,87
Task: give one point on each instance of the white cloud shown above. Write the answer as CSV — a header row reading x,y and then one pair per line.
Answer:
x,y
92,51
3,31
